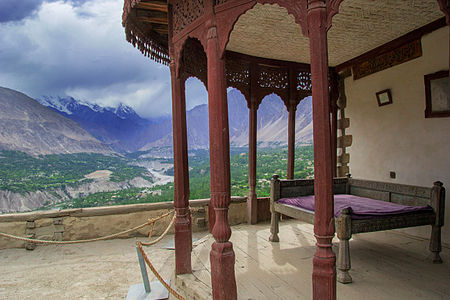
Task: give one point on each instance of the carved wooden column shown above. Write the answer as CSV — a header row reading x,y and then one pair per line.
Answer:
x,y
183,228
252,201
324,261
183,231
222,255
292,108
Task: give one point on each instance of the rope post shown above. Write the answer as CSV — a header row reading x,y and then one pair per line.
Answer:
x,y
143,271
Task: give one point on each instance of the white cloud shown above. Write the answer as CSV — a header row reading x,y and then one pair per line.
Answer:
x,y
81,51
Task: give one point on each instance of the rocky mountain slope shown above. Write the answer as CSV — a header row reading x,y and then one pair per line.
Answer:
x,y
116,126
272,124
27,126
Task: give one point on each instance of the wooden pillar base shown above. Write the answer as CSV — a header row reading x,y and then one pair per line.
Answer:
x,y
324,270
183,241
222,271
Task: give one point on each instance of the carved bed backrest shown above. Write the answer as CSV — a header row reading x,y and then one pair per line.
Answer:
x,y
390,192
304,187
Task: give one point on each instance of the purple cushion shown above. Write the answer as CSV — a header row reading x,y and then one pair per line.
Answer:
x,y
360,207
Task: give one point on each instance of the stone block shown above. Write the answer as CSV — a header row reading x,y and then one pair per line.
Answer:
x,y
343,123
28,245
201,222
344,141
344,158
57,221
31,225
58,236
58,228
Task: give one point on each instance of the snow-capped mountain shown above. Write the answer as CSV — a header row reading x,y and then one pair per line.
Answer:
x,y
125,131
27,126
115,126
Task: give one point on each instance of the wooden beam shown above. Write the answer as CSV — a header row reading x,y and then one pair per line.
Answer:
x,y
154,5
153,20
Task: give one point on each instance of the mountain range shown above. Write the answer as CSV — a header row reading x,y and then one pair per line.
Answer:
x,y
27,126
67,125
272,123
117,127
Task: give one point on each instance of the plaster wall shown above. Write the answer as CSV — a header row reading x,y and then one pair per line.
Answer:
x,y
398,137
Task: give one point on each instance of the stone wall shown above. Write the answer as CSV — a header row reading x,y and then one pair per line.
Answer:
x,y
88,223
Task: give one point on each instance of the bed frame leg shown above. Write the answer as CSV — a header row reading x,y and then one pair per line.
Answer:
x,y
438,204
344,233
343,262
435,244
274,227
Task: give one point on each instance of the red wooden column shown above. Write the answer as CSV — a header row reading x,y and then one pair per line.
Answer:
x,y
292,108
183,228
252,201
253,104
324,261
183,231
222,255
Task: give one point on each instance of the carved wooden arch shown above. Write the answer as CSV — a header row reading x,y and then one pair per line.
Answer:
x,y
228,13
198,34
264,95
186,77
245,98
191,61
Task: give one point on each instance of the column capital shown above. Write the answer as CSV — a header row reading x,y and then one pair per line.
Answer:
x,y
212,32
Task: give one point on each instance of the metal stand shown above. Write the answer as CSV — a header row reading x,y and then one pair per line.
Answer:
x,y
146,290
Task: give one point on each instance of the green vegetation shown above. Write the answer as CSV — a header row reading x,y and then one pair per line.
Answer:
x,y
119,197
269,162
22,173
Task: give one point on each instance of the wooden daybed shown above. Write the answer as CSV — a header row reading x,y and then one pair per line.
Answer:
x,y
349,222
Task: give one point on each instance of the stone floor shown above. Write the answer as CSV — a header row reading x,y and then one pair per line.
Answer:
x,y
100,270
385,265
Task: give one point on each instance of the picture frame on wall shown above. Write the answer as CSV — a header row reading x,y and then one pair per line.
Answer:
x,y
384,97
437,98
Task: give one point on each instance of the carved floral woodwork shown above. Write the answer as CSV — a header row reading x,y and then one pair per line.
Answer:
x,y
186,12
193,61
238,76
218,2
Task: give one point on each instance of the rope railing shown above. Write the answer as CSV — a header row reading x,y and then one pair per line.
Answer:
x,y
47,242
139,244
157,275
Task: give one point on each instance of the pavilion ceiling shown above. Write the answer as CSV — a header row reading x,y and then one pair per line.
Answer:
x,y
268,31
360,26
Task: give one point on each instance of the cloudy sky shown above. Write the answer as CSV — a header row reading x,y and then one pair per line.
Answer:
x,y
77,48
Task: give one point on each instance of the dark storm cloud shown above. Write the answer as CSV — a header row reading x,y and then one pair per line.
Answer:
x,y
76,49
16,10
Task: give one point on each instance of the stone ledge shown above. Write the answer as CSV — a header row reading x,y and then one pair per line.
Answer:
x,y
103,211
